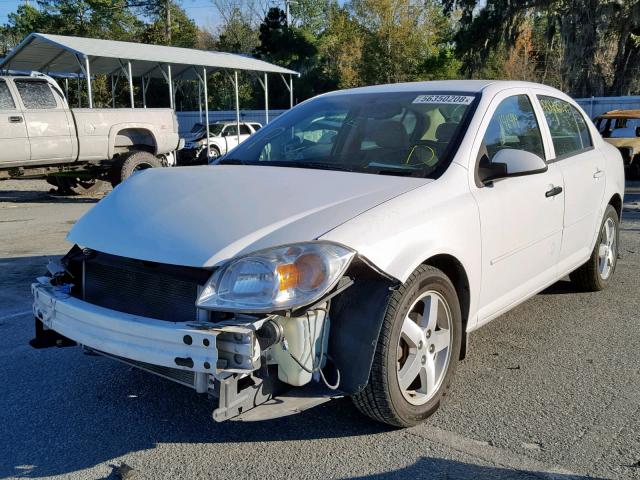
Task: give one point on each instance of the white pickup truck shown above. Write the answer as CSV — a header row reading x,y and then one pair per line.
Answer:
x,y
78,149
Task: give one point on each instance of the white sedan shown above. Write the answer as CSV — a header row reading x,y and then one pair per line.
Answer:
x,y
351,246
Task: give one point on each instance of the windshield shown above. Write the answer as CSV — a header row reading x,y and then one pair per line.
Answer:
x,y
215,129
402,133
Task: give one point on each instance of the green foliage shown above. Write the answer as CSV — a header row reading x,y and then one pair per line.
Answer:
x,y
585,47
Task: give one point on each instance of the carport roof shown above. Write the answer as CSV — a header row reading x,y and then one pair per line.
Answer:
x,y
60,53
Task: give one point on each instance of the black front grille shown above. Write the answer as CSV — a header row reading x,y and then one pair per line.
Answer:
x,y
163,292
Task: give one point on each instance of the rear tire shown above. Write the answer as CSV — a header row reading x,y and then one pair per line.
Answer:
x,y
131,163
422,324
597,272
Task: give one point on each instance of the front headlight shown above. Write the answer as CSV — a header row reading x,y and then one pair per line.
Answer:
x,y
276,279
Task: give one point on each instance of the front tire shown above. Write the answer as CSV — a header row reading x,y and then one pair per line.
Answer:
x,y
597,272
417,351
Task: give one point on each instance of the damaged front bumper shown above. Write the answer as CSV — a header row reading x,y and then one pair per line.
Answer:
x,y
232,361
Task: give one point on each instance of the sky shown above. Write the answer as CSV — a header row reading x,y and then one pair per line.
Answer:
x,y
202,11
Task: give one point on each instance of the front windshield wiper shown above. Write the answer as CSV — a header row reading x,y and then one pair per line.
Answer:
x,y
231,161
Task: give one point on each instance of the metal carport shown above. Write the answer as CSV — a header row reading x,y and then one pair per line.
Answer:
x,y
86,56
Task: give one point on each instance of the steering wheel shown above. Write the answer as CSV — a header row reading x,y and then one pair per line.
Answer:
x,y
423,152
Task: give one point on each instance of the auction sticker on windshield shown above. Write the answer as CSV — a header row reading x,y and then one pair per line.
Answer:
x,y
450,99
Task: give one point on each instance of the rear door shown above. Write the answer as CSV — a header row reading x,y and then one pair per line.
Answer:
x,y
50,133
14,143
584,177
245,132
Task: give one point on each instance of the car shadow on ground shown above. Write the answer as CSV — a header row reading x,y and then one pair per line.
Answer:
x,y
561,287
39,196
443,469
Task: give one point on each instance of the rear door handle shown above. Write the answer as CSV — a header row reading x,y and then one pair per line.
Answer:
x,y
16,119
599,173
553,192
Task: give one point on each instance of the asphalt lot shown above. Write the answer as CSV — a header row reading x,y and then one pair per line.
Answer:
x,y
549,390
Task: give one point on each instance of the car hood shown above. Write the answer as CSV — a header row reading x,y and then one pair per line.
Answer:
x,y
201,216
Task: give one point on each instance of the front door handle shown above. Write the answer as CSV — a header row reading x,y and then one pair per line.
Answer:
x,y
553,192
15,119
599,173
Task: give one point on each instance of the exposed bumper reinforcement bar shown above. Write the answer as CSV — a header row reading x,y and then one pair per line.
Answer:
x,y
168,344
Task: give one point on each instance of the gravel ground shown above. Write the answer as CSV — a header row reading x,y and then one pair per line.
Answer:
x,y
549,390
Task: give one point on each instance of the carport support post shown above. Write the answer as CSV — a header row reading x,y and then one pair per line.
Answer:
x,y
170,86
290,91
206,109
235,84
266,100
130,77
87,74
66,88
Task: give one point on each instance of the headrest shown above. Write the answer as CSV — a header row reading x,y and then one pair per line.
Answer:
x,y
390,134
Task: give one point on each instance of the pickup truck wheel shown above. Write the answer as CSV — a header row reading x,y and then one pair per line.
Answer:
x,y
133,162
596,273
417,351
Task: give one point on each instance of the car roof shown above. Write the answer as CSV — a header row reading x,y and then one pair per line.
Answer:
x,y
470,86
621,114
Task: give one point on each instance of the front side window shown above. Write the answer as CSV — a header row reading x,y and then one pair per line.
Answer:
x,y
244,130
397,133
36,95
568,128
514,126
6,100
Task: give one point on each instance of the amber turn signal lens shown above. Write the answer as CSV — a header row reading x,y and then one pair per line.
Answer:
x,y
288,275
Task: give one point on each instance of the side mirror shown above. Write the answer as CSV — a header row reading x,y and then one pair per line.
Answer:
x,y
510,163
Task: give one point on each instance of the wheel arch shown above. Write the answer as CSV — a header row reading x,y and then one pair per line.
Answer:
x,y
132,136
616,202
453,268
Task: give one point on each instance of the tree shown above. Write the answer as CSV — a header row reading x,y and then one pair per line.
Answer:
x,y
183,31
401,37
588,47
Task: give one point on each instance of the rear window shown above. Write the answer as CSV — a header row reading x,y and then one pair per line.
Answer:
x,y
6,100
36,95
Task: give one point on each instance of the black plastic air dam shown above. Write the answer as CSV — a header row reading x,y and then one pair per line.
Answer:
x,y
356,319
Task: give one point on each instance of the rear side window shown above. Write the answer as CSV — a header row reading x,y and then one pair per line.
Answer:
x,y
36,95
6,100
244,130
256,126
514,126
569,130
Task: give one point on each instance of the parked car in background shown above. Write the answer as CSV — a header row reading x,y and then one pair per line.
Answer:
x,y
621,128
351,246
78,148
223,136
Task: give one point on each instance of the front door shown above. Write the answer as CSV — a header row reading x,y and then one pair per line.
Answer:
x,y
50,133
520,217
14,143
583,171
